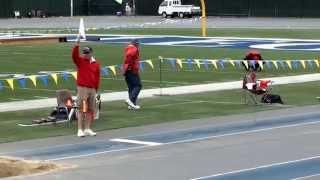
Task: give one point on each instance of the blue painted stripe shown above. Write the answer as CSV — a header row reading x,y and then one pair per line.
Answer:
x,y
277,172
73,150
226,129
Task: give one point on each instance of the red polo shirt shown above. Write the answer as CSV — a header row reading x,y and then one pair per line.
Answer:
x,y
88,73
131,59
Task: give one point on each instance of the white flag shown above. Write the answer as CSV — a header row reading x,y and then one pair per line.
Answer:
x,y
82,30
119,1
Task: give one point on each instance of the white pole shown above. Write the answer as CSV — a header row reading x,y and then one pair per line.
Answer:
x,y
71,8
134,7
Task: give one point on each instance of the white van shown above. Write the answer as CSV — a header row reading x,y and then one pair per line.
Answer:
x,y
175,8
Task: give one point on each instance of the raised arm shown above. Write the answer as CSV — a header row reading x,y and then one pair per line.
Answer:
x,y
75,51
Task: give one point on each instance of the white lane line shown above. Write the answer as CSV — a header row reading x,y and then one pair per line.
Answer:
x,y
258,167
41,97
96,153
306,177
15,99
195,102
184,141
136,142
152,81
181,103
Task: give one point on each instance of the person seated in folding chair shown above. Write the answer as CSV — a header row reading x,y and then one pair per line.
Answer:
x,y
259,88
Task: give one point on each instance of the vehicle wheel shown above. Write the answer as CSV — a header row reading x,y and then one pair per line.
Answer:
x,y
181,15
164,14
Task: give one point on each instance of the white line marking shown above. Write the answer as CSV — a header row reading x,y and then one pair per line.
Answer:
x,y
306,177
152,81
180,103
184,141
136,142
15,99
258,167
41,97
195,102
96,153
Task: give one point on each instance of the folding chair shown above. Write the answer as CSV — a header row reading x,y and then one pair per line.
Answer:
x,y
255,91
66,106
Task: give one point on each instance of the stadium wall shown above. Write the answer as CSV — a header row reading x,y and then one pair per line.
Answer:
x,y
256,8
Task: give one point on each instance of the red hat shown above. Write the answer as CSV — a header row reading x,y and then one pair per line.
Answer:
x,y
253,52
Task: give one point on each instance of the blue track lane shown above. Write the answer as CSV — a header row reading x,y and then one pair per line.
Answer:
x,y
284,171
86,148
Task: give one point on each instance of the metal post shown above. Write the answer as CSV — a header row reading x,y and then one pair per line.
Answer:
x,y
71,8
160,74
203,18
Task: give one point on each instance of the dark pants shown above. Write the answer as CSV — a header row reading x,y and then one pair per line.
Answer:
x,y
134,85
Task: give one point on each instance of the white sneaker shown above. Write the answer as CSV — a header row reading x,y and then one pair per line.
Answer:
x,y
129,103
89,132
80,133
135,107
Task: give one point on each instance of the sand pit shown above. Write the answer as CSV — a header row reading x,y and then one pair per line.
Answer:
x,y
17,167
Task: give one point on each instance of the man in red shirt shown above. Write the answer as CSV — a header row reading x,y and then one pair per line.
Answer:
x,y
88,80
131,72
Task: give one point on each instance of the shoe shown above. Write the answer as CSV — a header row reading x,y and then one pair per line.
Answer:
x,y
80,133
89,132
129,103
136,107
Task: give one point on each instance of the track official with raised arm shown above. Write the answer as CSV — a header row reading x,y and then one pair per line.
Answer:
x,y
88,81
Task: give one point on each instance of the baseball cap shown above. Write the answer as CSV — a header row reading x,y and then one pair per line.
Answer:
x,y
135,41
87,50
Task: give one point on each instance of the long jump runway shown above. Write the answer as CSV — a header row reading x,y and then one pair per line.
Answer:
x,y
279,146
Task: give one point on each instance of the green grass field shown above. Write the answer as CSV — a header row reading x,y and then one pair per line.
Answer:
x,y
114,115
32,59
